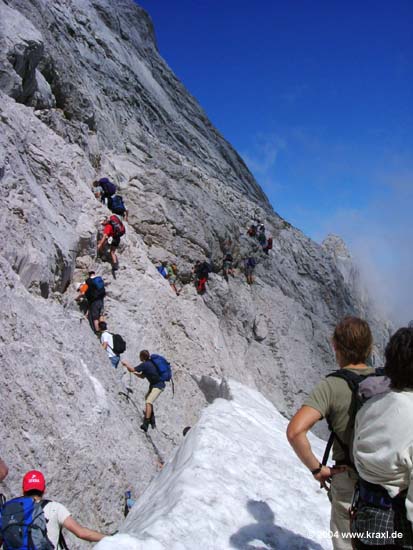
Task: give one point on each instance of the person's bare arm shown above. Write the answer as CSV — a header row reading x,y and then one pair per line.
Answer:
x,y
102,241
3,470
104,345
82,532
131,369
297,430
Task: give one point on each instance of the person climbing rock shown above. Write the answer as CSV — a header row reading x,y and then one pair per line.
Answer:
x,y
252,230
163,269
147,369
227,266
172,277
383,451
201,271
3,470
82,300
113,230
117,206
262,239
93,289
332,399
268,245
104,189
48,517
113,344
249,266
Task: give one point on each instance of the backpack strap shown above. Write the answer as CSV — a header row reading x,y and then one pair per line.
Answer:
x,y
353,380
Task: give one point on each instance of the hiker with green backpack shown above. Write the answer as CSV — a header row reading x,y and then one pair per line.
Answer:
x,y
32,522
157,371
113,344
333,399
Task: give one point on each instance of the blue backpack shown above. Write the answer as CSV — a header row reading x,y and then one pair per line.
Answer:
x,y
163,271
163,367
116,205
96,288
23,525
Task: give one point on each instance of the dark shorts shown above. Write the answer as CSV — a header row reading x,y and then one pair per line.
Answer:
x,y
96,309
115,242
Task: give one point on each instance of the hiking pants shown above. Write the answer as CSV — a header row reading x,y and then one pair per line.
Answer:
x,y
152,395
342,488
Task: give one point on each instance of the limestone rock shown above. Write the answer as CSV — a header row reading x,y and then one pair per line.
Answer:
x,y
108,105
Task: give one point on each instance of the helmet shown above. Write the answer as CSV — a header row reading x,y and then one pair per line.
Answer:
x,y
34,480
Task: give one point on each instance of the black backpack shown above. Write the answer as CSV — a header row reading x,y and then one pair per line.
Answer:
x,y
119,344
362,388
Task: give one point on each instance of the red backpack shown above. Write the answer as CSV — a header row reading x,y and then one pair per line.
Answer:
x,y
117,225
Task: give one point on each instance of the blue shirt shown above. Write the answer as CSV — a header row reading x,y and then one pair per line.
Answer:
x,y
150,372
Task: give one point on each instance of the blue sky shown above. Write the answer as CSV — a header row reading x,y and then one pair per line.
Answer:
x,y
317,97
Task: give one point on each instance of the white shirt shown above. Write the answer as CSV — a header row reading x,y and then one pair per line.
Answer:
x,y
108,338
383,443
55,514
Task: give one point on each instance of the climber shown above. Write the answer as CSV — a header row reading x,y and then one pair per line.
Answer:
x,y
47,527
262,239
117,206
268,246
93,289
82,300
147,369
249,266
201,271
383,451
108,344
172,277
252,230
113,230
163,269
227,267
104,189
332,399
3,470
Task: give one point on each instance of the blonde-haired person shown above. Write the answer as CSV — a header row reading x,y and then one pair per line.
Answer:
x,y
332,399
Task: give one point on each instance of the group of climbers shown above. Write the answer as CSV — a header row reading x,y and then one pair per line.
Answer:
x,y
370,484
257,230
91,293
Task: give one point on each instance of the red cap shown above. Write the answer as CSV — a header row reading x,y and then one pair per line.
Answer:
x,y
34,480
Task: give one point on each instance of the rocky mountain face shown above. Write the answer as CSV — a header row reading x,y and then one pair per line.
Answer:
x,y
84,93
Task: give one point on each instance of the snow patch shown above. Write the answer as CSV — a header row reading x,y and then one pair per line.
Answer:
x,y
102,405
234,482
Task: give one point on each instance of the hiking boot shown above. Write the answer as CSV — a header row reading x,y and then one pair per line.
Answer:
x,y
115,266
152,421
145,424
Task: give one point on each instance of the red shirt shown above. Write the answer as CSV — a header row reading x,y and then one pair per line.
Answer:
x,y
108,230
